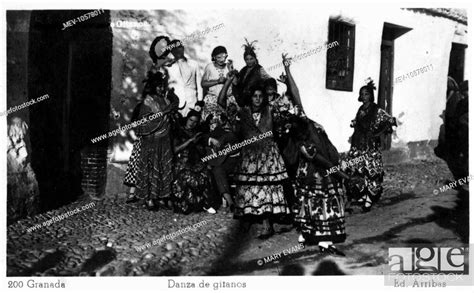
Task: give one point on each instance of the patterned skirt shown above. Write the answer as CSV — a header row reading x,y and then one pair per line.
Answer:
x,y
132,170
259,179
368,172
155,167
319,211
192,188
212,107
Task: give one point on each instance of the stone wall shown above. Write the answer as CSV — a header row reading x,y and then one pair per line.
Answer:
x,y
22,186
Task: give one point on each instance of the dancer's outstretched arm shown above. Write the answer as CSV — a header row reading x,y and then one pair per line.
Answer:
x,y
290,81
222,99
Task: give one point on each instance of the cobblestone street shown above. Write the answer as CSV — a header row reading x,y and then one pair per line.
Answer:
x,y
102,241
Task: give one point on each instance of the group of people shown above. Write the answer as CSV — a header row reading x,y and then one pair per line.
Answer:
x,y
283,176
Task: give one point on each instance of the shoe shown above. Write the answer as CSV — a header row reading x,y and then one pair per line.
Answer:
x,y
331,250
150,205
210,210
366,209
301,239
131,198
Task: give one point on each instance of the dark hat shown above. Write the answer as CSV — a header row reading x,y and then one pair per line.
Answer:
x,y
218,50
159,51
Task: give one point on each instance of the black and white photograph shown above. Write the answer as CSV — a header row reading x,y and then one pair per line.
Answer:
x,y
236,140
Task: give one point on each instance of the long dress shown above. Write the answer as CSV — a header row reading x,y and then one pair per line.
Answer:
x,y
154,165
319,212
366,156
192,187
211,72
261,173
130,178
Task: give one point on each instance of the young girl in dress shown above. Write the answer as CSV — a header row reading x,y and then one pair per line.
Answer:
x,y
261,173
213,81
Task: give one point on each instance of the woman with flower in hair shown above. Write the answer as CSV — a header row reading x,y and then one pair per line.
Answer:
x,y
370,124
252,74
261,173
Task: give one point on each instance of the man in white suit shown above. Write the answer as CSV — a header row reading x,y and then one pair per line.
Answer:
x,y
184,77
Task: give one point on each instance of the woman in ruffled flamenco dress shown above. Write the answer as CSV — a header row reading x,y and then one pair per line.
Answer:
x,y
261,172
370,124
319,210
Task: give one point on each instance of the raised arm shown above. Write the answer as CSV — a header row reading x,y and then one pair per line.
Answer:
x,y
290,82
222,99
198,83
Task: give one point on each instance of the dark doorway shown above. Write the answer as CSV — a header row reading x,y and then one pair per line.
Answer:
x,y
72,66
456,62
389,34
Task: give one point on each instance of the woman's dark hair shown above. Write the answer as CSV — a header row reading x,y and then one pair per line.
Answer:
x,y
299,128
176,44
218,50
192,113
152,51
369,87
261,88
270,82
153,80
200,104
